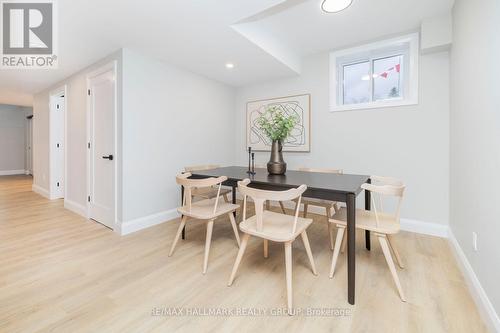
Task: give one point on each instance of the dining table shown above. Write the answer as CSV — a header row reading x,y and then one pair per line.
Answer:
x,y
327,186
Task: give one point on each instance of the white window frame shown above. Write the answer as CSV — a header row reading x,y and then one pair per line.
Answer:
x,y
408,46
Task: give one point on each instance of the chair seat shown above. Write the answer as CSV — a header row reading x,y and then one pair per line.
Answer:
x,y
366,220
208,192
277,227
204,209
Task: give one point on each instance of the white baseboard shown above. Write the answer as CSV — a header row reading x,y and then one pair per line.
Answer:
x,y
129,227
419,227
40,190
43,192
480,297
425,228
75,207
12,172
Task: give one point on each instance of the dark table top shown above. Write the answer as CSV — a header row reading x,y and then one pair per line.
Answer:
x,y
338,183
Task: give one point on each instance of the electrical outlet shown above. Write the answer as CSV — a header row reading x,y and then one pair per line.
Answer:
x,y
474,241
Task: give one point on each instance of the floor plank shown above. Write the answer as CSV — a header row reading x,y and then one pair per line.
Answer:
x,y
62,273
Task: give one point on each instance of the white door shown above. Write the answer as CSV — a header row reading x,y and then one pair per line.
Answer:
x,y
102,103
57,115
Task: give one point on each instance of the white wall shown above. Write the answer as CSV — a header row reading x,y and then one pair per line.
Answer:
x,y
41,142
171,118
12,139
475,138
76,182
437,33
411,142
167,118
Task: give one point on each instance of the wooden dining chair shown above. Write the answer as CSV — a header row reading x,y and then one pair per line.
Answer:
x,y
206,209
383,224
330,206
274,227
207,192
268,203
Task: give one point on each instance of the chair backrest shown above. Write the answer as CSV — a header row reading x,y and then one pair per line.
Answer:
x,y
337,171
201,167
385,187
189,184
261,196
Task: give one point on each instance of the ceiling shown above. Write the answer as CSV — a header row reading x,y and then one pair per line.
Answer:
x,y
306,30
265,39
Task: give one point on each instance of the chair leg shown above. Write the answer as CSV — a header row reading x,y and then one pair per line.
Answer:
x,y
309,252
305,210
387,253
235,228
226,199
244,242
282,207
268,205
336,250
210,226
288,267
390,240
344,245
330,236
266,248
178,235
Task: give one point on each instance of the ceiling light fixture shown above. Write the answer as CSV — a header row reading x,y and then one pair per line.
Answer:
x,y
335,6
229,65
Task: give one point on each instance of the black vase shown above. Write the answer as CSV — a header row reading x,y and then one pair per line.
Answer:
x,y
276,164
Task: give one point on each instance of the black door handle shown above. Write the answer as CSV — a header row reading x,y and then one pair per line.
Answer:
x,y
109,157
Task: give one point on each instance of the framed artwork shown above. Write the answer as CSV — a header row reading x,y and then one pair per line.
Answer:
x,y
300,138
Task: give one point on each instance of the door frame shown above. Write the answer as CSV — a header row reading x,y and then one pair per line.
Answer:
x,y
29,143
111,66
62,90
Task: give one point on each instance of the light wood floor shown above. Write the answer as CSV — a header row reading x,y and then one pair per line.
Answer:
x,y
62,273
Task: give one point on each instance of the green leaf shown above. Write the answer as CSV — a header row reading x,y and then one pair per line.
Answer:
x,y
276,124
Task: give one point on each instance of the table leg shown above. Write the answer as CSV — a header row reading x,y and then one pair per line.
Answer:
x,y
182,203
368,200
351,247
234,199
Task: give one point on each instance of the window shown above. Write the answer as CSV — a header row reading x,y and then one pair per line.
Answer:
x,y
377,75
387,82
356,88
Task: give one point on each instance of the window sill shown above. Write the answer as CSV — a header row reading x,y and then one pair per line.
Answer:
x,y
374,105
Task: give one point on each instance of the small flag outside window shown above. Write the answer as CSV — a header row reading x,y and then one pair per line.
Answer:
x,y
397,68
